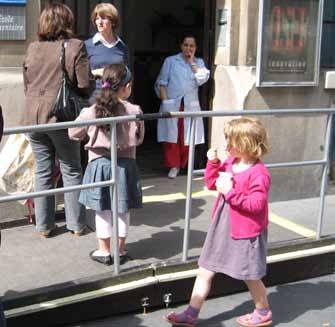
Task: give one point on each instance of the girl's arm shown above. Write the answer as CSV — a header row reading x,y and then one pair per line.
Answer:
x,y
252,200
211,174
140,132
131,133
136,132
79,133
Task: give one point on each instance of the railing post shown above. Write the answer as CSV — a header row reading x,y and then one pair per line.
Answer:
x,y
190,169
324,179
114,199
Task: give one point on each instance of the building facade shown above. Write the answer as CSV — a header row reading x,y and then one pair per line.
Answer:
x,y
228,34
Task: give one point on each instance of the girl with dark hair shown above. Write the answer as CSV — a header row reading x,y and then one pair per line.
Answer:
x,y
111,102
42,75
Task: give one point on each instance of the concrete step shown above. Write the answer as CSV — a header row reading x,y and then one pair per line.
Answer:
x,y
107,294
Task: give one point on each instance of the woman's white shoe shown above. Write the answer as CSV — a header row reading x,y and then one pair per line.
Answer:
x,y
173,172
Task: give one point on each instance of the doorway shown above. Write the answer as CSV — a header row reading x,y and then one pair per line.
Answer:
x,y
153,29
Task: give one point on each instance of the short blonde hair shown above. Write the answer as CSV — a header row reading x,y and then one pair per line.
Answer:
x,y
248,136
106,10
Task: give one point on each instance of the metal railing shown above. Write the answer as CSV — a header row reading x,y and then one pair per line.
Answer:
x,y
325,162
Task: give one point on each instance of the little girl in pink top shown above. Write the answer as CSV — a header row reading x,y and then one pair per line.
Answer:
x,y
111,102
236,242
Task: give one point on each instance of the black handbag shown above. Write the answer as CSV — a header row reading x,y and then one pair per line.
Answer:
x,y
68,102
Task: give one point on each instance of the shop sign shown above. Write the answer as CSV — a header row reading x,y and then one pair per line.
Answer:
x,y
289,41
12,20
13,2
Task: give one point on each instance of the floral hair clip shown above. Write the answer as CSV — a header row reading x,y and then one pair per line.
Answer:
x,y
106,85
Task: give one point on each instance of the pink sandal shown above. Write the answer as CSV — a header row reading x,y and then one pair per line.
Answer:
x,y
255,319
174,319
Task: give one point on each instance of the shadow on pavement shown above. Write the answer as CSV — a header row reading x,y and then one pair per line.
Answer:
x,y
159,214
287,303
164,245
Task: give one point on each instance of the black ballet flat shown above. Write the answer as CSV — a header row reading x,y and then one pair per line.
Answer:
x,y
125,258
104,259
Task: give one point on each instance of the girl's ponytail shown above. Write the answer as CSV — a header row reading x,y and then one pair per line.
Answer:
x,y
114,77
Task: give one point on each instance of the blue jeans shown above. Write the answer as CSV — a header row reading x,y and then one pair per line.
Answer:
x,y
45,146
2,316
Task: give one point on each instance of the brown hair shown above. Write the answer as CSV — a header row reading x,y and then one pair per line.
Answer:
x,y
188,36
107,102
248,136
55,23
106,10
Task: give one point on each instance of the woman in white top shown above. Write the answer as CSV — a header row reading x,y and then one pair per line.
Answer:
x,y
177,86
105,47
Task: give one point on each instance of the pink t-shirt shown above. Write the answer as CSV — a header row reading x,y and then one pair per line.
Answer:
x,y
248,199
129,134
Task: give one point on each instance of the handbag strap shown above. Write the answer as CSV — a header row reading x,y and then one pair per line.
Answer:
x,y
62,60
65,75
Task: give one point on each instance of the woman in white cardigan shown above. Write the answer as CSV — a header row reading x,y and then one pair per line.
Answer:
x,y
177,86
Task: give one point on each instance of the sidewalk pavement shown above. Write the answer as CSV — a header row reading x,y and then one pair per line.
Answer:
x,y
307,303
28,261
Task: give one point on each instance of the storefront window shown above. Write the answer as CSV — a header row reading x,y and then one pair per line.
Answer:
x,y
289,42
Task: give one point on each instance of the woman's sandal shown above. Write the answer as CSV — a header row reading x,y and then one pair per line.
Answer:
x,y
255,319
174,319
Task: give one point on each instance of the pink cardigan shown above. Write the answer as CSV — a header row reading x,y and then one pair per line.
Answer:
x,y
248,199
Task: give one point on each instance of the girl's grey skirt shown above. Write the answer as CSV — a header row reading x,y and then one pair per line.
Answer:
x,y
243,259
128,185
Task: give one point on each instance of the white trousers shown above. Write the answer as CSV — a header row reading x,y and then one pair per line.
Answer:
x,y
104,224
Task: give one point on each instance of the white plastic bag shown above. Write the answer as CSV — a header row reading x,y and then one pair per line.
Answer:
x,y
16,165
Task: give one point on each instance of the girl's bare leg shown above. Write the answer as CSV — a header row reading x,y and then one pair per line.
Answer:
x,y
200,292
262,315
123,222
258,293
104,245
201,287
122,244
